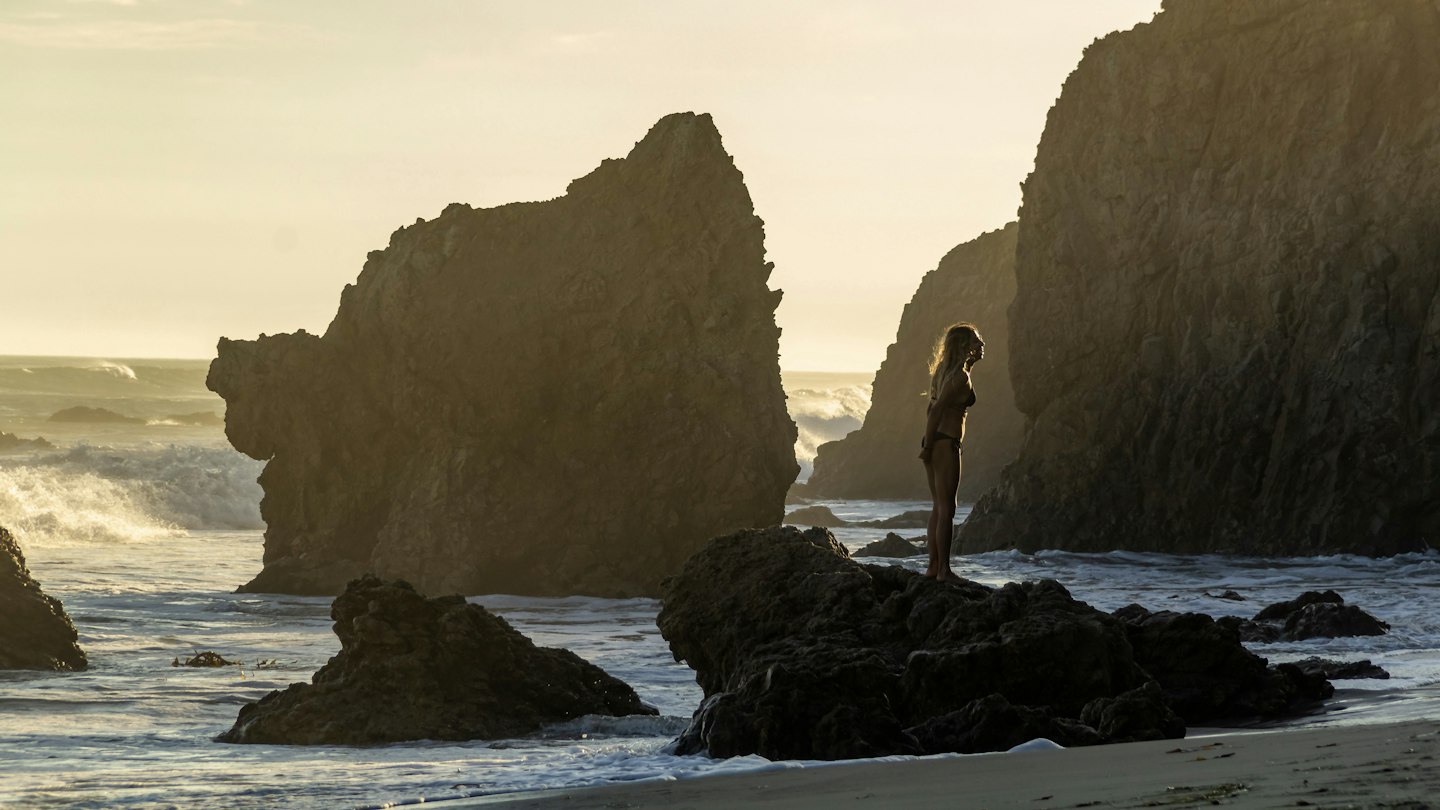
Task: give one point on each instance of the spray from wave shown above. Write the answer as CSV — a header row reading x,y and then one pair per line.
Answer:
x,y
117,370
101,495
824,414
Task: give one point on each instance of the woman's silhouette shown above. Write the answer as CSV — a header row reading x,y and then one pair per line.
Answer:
x,y
950,395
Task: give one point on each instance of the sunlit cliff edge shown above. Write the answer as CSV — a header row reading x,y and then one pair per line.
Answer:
x,y
1224,336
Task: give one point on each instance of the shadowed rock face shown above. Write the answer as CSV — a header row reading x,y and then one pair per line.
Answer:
x,y
412,668
35,633
974,282
560,397
1226,331
804,653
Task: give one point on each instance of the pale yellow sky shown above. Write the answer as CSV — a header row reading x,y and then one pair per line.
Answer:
x,y
176,170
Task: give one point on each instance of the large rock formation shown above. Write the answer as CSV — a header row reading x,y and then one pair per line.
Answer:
x,y
412,668
805,654
974,282
560,397
1226,330
35,633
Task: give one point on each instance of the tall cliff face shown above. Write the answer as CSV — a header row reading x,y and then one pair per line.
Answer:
x,y
560,397
1226,323
974,282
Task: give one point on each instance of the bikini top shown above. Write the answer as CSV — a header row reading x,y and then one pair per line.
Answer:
x,y
968,402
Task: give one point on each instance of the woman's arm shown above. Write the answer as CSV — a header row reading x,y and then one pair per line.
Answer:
x,y
932,424
956,390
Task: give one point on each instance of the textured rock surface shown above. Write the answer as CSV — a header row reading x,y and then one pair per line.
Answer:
x,y
814,516
1313,614
1207,675
560,397
1226,334
81,413
411,668
1341,670
893,545
804,653
974,282
35,633
10,443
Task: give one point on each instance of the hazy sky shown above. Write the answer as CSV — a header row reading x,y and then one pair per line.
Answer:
x,y
176,170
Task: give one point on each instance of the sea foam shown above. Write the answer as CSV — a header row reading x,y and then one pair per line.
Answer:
x,y
825,415
101,495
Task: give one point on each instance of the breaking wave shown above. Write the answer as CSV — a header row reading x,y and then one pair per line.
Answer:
x,y
824,415
93,494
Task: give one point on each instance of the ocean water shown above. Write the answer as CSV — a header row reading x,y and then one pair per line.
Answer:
x,y
144,530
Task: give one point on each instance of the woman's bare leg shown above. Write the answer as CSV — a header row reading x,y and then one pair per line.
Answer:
x,y
930,535
945,463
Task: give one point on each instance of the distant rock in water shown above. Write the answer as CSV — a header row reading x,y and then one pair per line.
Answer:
x,y
1205,673
563,397
197,419
974,282
804,653
917,519
1226,329
10,443
893,545
1342,670
411,668
1313,614
35,632
81,413
815,516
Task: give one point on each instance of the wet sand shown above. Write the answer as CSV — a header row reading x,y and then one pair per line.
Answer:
x,y
1392,766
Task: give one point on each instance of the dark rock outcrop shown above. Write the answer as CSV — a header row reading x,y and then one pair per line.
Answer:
x,y
814,516
1229,596
993,723
892,546
974,282
10,443
82,413
598,370
918,519
1332,621
411,668
1140,714
805,654
1341,670
1226,331
35,632
1281,611
1313,614
1206,674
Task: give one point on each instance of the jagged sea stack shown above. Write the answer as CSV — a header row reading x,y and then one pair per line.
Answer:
x,y
974,282
35,632
1224,335
559,397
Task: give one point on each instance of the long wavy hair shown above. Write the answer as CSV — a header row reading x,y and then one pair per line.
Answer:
x,y
951,351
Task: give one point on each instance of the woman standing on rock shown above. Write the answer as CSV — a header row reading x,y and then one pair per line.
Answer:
x,y
950,395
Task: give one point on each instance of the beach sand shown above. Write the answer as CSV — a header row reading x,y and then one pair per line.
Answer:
x,y
1364,766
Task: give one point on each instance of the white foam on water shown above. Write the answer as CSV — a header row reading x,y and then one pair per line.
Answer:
x,y
827,408
118,370
103,495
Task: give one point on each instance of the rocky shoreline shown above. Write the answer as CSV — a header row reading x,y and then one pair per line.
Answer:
x,y
803,653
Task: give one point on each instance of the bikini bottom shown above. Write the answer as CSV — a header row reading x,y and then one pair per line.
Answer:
x,y
944,437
